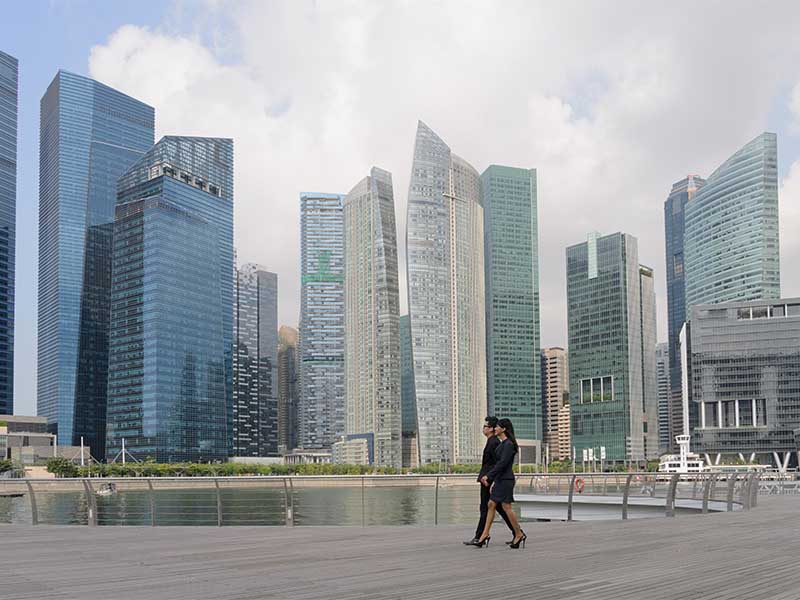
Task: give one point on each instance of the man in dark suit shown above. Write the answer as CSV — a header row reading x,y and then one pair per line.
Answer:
x,y
488,462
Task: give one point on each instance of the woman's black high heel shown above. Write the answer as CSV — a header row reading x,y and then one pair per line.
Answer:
x,y
521,540
482,543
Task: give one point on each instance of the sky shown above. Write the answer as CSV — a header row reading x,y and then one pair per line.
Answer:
x,y
611,102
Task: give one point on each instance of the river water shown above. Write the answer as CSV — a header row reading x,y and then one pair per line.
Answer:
x,y
353,505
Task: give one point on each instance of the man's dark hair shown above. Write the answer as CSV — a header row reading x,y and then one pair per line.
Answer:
x,y
491,421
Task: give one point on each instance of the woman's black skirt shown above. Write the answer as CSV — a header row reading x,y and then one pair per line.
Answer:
x,y
503,491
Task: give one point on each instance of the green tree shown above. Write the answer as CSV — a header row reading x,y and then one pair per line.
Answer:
x,y
62,467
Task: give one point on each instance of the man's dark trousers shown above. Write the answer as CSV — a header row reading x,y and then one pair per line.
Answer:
x,y
485,509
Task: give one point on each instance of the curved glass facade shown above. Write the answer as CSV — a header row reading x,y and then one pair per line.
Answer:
x,y
90,135
731,229
446,301
372,310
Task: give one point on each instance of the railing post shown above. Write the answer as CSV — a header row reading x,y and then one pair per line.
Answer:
x,y
34,508
756,488
152,495
291,502
91,504
571,492
694,488
363,504
625,495
670,504
219,503
288,503
746,492
707,491
731,486
436,502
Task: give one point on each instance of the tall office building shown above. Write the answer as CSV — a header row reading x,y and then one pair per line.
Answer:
x,y
171,335
649,341
408,400
663,391
611,332
90,135
9,77
731,229
555,394
743,376
255,362
513,372
446,301
288,392
731,244
321,410
674,215
372,310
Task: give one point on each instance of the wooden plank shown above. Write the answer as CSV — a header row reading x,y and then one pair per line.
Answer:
x,y
711,557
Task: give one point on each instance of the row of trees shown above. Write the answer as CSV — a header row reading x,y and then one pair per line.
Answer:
x,y
63,467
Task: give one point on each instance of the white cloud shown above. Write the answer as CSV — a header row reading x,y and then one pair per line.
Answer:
x,y
612,103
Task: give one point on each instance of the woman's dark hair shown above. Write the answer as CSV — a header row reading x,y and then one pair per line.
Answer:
x,y
509,429
491,421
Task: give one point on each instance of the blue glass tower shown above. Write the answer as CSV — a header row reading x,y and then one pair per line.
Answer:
x,y
90,134
674,215
170,342
8,203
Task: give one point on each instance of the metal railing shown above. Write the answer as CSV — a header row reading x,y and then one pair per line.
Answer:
x,y
350,500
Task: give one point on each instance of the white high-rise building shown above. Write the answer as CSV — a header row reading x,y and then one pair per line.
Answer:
x,y
372,312
446,301
555,388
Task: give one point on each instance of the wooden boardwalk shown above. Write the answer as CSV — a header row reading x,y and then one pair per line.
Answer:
x,y
747,555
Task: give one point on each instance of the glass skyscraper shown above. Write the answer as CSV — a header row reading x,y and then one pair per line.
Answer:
x,y
288,392
663,390
255,362
446,301
674,214
90,134
372,310
743,376
513,372
731,229
9,77
321,412
611,332
170,347
408,401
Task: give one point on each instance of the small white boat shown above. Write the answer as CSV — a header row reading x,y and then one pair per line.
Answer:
x,y
685,462
107,489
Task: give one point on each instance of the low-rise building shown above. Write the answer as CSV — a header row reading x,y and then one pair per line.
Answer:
x,y
25,440
743,379
352,450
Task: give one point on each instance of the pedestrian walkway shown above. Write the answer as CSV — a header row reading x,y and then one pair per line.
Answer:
x,y
741,555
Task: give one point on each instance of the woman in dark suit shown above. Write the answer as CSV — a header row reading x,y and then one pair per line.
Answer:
x,y
501,479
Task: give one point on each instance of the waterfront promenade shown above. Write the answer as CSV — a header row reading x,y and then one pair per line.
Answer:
x,y
727,556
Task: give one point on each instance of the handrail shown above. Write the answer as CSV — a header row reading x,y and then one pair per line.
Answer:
x,y
166,505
